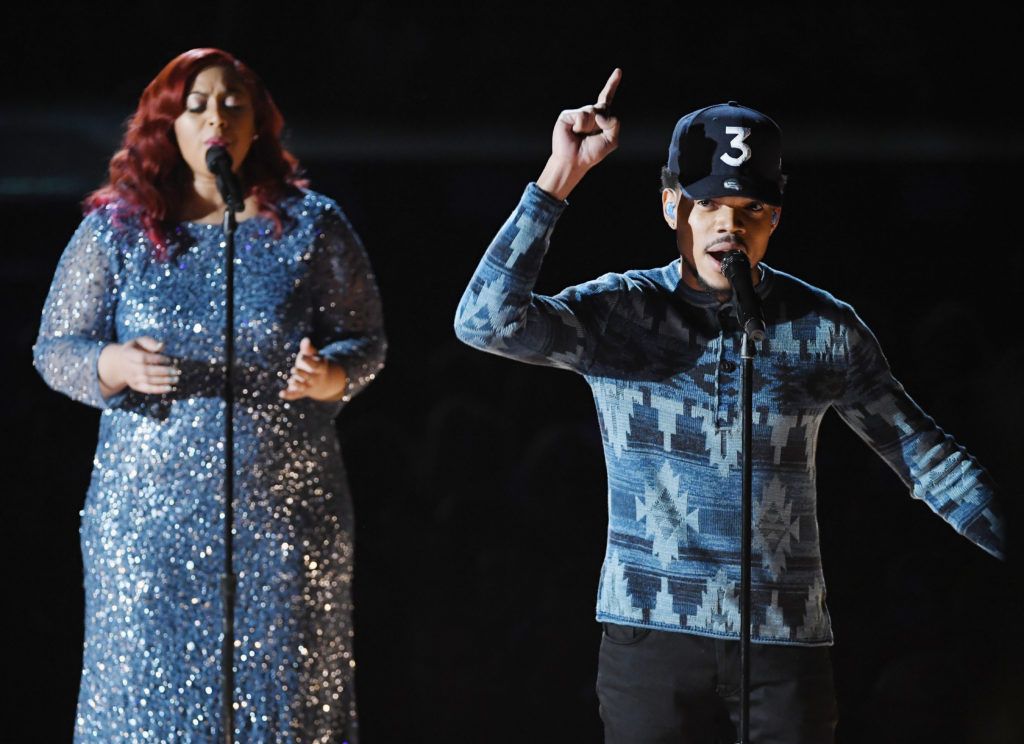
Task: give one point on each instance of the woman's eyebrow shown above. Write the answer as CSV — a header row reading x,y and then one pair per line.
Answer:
x,y
231,91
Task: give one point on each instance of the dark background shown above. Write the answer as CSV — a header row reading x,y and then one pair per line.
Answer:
x,y
479,482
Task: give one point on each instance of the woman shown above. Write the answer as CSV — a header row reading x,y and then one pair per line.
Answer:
x,y
134,325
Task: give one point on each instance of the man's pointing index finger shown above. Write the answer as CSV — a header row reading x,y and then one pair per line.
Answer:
x,y
604,100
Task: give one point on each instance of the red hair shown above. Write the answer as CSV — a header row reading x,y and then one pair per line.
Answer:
x,y
148,176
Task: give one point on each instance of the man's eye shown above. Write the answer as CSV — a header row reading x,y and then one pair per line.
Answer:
x,y
704,202
756,207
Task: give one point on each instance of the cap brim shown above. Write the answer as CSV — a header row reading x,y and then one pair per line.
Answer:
x,y
717,185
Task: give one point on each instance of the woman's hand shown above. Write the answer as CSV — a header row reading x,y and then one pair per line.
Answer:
x,y
582,138
314,377
136,364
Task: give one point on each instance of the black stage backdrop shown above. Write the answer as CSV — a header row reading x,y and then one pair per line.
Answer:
x,y
478,482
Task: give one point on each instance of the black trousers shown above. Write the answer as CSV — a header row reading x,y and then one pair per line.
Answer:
x,y
659,687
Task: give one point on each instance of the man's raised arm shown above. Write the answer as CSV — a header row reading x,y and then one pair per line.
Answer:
x,y
499,312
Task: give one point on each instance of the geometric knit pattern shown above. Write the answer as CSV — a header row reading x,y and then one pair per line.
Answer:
x,y
667,515
773,528
663,363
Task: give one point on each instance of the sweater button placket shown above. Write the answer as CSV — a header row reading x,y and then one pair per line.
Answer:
x,y
725,366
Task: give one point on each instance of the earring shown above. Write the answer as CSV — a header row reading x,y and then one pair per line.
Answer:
x,y
775,217
670,209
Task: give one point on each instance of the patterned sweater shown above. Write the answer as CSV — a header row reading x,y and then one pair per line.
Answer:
x,y
663,363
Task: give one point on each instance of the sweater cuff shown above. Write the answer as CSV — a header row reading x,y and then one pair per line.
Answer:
x,y
987,531
541,205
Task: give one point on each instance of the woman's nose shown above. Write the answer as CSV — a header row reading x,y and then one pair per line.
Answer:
x,y
214,115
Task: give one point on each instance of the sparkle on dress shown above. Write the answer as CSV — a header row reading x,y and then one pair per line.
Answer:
x,y
152,526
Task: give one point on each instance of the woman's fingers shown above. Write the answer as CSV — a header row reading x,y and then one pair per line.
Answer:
x,y
168,378
148,357
297,387
147,343
149,371
153,373
151,387
158,372
308,370
307,363
155,382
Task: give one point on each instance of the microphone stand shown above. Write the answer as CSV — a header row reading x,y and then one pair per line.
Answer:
x,y
747,353
228,580
736,267
219,163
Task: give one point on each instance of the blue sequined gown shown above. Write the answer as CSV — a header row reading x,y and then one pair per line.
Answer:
x,y
152,529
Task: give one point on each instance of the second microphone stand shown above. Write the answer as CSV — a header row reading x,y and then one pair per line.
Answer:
x,y
747,353
736,267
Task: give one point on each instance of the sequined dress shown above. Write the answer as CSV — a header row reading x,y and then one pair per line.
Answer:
x,y
152,529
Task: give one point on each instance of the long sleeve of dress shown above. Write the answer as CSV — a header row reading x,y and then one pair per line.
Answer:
x,y
499,312
348,325
931,463
78,316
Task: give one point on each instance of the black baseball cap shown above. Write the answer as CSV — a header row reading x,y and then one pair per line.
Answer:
x,y
728,150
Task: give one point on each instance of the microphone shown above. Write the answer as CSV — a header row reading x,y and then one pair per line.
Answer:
x,y
218,161
736,268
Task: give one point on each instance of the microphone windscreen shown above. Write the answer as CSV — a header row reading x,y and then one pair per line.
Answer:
x,y
217,156
734,263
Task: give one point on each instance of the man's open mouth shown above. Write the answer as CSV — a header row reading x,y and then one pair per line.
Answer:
x,y
719,252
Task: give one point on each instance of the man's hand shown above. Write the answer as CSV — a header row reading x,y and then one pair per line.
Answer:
x,y
582,138
314,377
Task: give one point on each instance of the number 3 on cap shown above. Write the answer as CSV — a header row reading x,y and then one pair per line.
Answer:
x,y
737,142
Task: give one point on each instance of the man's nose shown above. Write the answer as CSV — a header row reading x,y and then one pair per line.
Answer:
x,y
729,220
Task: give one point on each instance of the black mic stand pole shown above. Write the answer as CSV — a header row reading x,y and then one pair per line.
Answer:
x,y
747,353
218,162
736,267
228,580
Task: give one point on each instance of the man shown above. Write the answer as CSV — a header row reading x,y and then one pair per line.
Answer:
x,y
660,349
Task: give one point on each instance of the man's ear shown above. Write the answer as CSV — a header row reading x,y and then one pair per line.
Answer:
x,y
776,216
670,206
